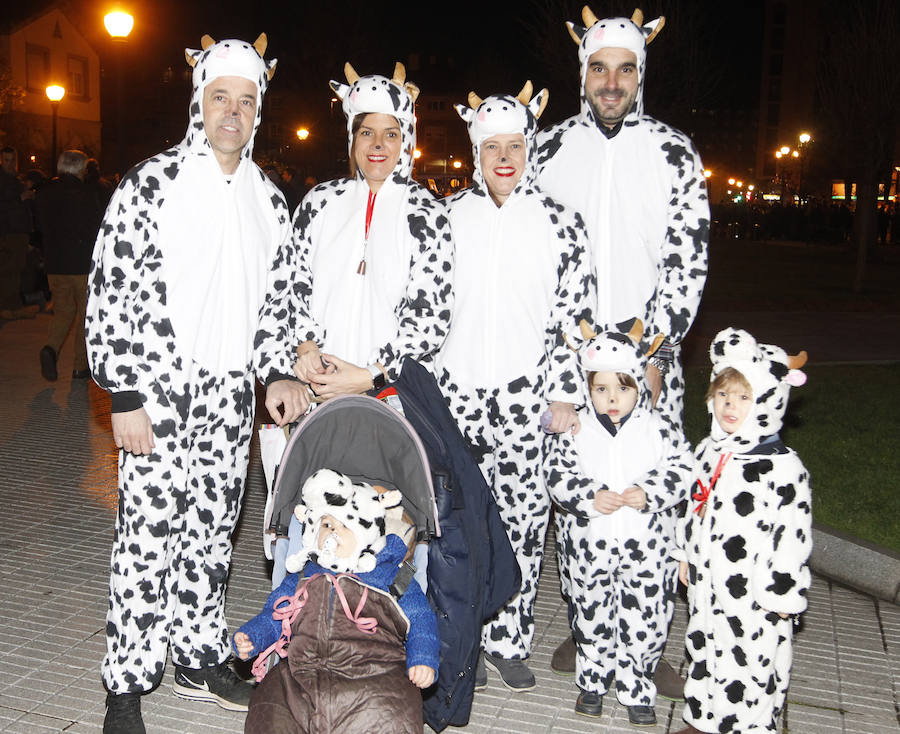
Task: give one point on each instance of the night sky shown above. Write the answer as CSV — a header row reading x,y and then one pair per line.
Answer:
x,y
708,55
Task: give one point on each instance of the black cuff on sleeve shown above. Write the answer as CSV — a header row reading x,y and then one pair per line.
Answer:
x,y
123,402
276,376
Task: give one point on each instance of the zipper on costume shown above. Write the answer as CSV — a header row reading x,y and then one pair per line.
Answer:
x,y
370,208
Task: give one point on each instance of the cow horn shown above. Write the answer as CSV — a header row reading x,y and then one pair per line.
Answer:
x,y
206,41
637,17
525,95
350,73
636,333
474,100
399,74
586,331
261,44
796,361
588,17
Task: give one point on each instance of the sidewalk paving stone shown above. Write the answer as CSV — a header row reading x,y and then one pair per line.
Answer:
x,y
57,506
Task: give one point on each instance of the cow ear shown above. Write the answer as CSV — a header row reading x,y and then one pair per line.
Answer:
x,y
466,113
539,103
652,29
576,31
412,90
339,89
192,56
270,68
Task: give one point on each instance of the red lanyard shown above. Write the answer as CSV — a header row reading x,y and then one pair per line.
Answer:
x,y
370,207
705,491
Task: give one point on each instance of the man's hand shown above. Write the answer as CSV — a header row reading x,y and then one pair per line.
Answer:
x,y
607,502
288,395
421,675
635,497
243,645
346,379
133,432
309,362
654,380
563,418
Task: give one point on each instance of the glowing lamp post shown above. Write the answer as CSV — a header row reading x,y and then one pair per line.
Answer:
x,y
302,133
55,93
119,24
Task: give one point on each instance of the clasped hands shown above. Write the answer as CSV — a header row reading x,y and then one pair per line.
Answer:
x,y
607,501
328,375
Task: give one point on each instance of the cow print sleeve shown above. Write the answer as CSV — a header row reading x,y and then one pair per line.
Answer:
x,y
782,576
571,490
575,299
684,254
123,255
423,314
667,483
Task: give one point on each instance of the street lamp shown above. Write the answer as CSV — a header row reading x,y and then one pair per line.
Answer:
x,y
55,93
119,24
303,133
805,138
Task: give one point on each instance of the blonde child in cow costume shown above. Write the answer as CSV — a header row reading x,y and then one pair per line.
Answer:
x,y
615,485
358,653
522,279
744,544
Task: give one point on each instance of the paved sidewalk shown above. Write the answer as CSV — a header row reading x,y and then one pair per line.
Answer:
x,y
57,507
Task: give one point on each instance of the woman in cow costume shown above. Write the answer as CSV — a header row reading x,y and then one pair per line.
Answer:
x,y
376,256
523,280
744,543
615,486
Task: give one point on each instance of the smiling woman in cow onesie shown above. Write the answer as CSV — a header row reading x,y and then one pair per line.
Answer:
x,y
615,486
372,285
523,280
744,543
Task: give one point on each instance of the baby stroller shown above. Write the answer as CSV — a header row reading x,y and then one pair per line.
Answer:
x,y
417,448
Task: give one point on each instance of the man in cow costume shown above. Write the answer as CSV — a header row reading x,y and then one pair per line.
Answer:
x,y
639,185
195,241
522,282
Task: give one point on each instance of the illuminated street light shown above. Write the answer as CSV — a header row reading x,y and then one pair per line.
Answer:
x,y
750,187
118,24
805,138
417,154
739,184
457,164
795,154
707,172
731,182
778,154
303,133
55,93
785,149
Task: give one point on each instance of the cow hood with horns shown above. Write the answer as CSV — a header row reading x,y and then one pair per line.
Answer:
x,y
631,34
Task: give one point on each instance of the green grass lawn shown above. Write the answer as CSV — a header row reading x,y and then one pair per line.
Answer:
x,y
845,425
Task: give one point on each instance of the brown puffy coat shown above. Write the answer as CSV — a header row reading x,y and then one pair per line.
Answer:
x,y
337,678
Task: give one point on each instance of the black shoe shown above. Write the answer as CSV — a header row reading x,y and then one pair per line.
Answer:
x,y
81,374
217,683
48,363
641,715
589,704
515,674
563,660
123,714
480,673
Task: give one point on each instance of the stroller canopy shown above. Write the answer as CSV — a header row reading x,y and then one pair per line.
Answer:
x,y
368,441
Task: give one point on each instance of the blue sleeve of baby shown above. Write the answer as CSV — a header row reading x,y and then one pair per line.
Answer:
x,y
262,629
423,646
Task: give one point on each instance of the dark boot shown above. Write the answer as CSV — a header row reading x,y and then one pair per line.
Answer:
x,y
563,660
123,714
669,684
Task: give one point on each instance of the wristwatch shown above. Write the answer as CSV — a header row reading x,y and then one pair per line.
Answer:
x,y
378,380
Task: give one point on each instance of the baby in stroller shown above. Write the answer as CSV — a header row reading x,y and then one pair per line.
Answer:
x,y
344,671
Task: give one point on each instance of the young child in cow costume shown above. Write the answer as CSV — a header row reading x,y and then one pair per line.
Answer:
x,y
744,543
615,484
344,671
